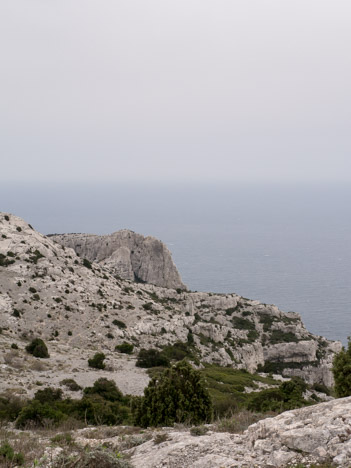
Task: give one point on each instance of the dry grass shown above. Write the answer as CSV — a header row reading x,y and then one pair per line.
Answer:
x,y
239,422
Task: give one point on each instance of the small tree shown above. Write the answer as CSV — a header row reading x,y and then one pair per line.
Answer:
x,y
38,348
177,396
97,361
342,371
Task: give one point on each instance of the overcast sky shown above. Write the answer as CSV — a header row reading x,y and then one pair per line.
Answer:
x,y
193,90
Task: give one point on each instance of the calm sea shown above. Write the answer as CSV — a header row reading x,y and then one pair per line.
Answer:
x,y
286,245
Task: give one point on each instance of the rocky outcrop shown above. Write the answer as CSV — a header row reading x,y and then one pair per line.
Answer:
x,y
128,255
47,290
316,434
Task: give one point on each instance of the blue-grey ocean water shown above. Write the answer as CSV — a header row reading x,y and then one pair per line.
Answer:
x,y
287,245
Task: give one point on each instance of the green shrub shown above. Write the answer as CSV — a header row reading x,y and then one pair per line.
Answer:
x,y
36,414
71,385
177,396
107,389
125,348
151,358
179,351
87,264
7,454
119,324
63,439
48,395
14,346
278,336
4,261
243,324
97,361
10,407
38,348
342,371
288,396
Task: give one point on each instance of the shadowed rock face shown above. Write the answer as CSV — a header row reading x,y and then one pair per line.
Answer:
x,y
128,255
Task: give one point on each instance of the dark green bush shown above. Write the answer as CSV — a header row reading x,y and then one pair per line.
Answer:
x,y
107,389
177,396
97,361
151,358
342,372
119,324
87,264
48,395
38,348
36,414
10,407
125,348
288,396
178,351
71,385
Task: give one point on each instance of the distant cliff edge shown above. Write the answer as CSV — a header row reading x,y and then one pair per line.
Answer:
x,y
128,255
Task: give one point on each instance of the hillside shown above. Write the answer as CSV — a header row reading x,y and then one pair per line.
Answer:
x,y
79,307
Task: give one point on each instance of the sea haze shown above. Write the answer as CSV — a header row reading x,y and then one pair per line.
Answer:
x,y
286,245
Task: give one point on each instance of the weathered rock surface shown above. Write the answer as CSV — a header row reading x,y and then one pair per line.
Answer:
x,y
128,255
315,434
46,291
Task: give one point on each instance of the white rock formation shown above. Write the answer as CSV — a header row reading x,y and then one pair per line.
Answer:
x,y
128,255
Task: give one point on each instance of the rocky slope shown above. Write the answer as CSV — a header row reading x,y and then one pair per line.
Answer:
x,y
46,290
316,434
128,255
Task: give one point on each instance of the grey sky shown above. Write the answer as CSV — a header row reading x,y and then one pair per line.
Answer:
x,y
175,90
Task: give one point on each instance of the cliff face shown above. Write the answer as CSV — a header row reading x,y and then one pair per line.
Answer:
x,y
128,255
45,290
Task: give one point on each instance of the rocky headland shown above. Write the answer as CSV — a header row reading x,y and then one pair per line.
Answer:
x,y
91,302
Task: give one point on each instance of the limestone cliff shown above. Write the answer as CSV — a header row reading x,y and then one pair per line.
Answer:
x,y
128,255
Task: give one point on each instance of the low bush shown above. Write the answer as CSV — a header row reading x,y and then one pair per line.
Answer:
x,y
38,348
119,324
8,455
151,358
107,389
48,395
97,361
71,384
125,348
